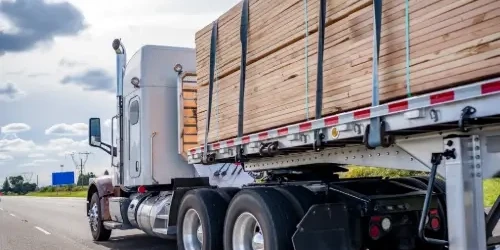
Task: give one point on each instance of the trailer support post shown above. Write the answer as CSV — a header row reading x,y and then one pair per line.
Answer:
x,y
464,193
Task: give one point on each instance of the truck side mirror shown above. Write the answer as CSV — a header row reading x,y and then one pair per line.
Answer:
x,y
95,132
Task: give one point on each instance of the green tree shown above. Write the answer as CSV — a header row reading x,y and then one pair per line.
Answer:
x,y
6,186
83,179
106,172
16,183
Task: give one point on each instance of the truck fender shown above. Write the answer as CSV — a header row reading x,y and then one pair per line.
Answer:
x,y
103,185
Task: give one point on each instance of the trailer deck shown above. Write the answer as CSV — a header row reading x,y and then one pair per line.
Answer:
x,y
457,110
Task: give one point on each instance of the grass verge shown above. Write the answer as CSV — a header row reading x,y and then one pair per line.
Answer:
x,y
76,194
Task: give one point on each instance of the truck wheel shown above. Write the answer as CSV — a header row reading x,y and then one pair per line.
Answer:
x,y
259,218
227,192
99,232
200,220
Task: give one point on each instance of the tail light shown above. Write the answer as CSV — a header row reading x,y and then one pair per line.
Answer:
x,y
374,231
434,222
378,226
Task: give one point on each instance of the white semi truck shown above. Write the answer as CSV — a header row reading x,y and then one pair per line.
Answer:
x,y
207,198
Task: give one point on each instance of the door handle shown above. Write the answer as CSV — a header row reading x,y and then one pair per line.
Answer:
x,y
137,166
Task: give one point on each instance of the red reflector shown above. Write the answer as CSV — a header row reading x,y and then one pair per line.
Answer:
x,y
141,189
442,97
283,131
331,120
374,232
245,139
305,126
398,106
376,218
435,223
362,114
433,212
263,136
490,87
230,143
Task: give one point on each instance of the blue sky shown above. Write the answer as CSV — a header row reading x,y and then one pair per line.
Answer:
x,y
57,70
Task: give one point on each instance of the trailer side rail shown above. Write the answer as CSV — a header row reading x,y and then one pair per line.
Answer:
x,y
452,106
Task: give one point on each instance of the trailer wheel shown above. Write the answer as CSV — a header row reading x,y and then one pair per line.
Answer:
x,y
301,198
259,218
99,232
201,220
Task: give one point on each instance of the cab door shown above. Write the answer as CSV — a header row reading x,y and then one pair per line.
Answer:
x,y
134,128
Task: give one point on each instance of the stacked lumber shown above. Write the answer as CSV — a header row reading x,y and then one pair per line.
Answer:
x,y
188,99
452,42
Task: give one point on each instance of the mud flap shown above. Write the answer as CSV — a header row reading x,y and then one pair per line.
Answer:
x,y
325,227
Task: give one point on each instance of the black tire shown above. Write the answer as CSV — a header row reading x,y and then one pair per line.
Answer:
x,y
101,234
273,212
228,192
301,198
211,209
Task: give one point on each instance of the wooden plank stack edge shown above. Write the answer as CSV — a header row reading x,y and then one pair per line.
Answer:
x,y
452,42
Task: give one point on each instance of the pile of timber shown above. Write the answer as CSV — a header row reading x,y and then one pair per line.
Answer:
x,y
452,42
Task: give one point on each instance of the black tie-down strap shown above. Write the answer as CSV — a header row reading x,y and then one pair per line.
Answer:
x,y
207,159
318,135
244,46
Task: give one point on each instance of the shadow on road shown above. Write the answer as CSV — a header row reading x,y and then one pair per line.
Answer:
x,y
138,242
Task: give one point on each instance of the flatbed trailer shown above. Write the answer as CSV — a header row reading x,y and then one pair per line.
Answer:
x,y
454,133
289,194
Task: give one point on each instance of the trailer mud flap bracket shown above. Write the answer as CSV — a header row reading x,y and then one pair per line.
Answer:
x,y
324,227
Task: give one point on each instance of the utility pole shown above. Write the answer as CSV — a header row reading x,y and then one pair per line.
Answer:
x,y
80,164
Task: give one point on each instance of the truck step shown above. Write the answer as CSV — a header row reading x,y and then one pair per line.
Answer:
x,y
166,233
162,217
116,225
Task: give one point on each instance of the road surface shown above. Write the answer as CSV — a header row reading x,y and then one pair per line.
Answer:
x,y
60,223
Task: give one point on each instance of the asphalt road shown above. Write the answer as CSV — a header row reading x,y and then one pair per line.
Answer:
x,y
29,223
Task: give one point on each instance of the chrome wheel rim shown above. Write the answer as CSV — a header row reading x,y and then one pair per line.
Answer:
x,y
94,217
192,231
247,233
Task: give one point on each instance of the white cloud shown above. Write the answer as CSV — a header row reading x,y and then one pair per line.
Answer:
x,y
15,128
59,146
36,155
16,145
38,162
63,129
5,157
63,146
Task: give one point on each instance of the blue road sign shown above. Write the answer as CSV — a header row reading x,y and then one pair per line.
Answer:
x,y
63,178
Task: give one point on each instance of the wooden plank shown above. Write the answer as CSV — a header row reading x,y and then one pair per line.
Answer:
x,y
448,38
281,28
367,66
257,73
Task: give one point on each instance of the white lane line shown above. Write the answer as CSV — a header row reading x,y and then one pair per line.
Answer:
x,y
42,230
13,215
1,209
